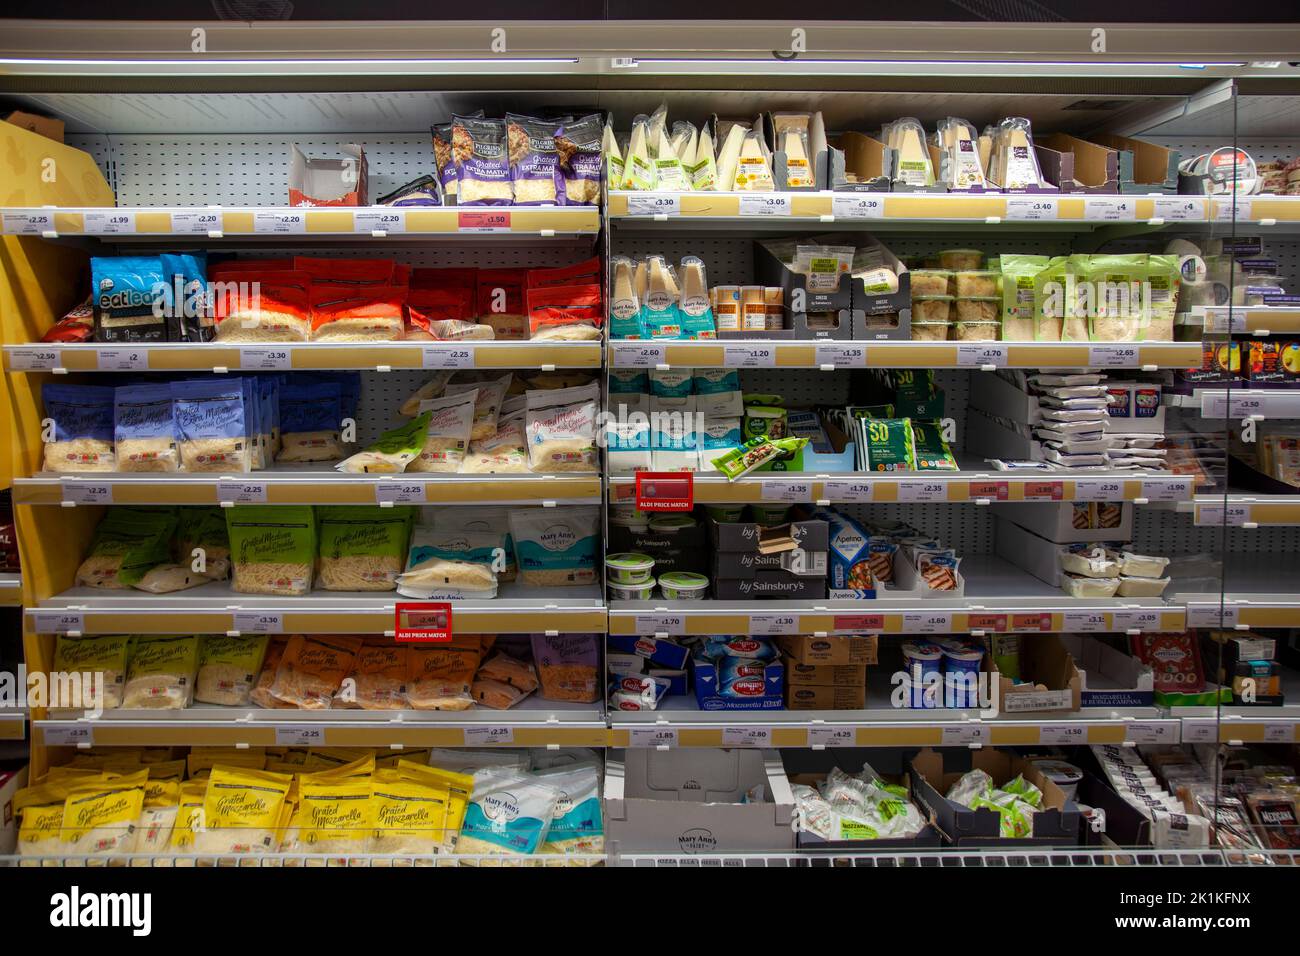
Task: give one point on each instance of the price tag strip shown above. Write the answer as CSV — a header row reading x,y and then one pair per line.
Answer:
x,y
858,206
489,735
964,734
638,355
791,491
451,356
1031,208
654,204
88,492
746,736
927,622
848,491
400,492
765,204
832,735
59,622
749,356
1063,734
265,359
299,735
258,622
841,356
79,735
652,737
660,624
771,624
242,492
383,219
281,222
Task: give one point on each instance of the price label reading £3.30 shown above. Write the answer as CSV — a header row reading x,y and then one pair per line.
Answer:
x,y
858,206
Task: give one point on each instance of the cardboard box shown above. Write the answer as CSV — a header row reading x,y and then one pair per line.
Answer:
x,y
867,160
817,149
777,585
1052,682
1055,520
329,182
766,691
811,697
824,675
11,781
1143,167
687,800
677,679
810,768
1057,823
665,653
46,126
909,583
808,649
682,550
1108,677
1076,165
735,566
748,537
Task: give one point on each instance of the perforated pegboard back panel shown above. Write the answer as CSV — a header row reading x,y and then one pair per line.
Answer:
x,y
1261,149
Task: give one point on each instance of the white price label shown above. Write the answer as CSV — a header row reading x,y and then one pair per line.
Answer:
x,y
1199,732
122,360
299,735
1179,208
1063,734
749,356
1113,356
765,204
88,492
265,359
1110,208
79,735
259,622
281,221
848,491
59,622
196,221
841,356
109,222
1225,319
34,359
746,736
1224,405
1139,619
1234,516
638,355
927,622
660,624
911,490
1166,489
1085,621
773,624
1207,615
832,735
1224,211
449,356
652,737
1098,489
964,734
242,492
654,204
400,492
858,206
1279,732
1031,207
794,491
1151,732
489,735
383,219
985,353
28,222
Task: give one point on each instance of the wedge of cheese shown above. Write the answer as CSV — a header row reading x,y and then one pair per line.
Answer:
x,y
1017,163
914,166
728,157
613,158
957,139
753,173
701,169
638,170
669,174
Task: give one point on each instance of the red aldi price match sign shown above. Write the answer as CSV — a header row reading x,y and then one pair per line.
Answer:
x,y
428,622
665,491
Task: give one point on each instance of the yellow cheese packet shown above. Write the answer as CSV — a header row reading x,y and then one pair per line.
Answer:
x,y
410,815
459,786
189,816
40,818
241,810
101,816
360,767
336,815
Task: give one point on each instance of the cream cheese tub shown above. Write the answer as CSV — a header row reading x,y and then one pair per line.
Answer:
x,y
684,586
629,568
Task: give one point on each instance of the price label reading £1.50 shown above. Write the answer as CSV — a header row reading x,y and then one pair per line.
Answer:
x,y
1063,734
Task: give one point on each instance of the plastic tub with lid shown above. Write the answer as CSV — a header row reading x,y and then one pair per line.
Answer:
x,y
684,586
629,567
922,660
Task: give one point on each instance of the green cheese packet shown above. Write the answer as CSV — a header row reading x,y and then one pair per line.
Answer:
x,y
887,444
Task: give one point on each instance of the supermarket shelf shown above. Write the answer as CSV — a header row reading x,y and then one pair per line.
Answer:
x,y
876,210
1239,402
11,590
1255,319
999,598
376,356
216,609
966,486
1237,724
533,723
679,723
830,355
305,485
963,857
13,724
208,223
1244,510
1260,590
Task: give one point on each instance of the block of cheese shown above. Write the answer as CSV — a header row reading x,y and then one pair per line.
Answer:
x,y
913,158
791,130
669,175
958,141
613,158
1017,163
701,168
753,173
638,170
729,155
